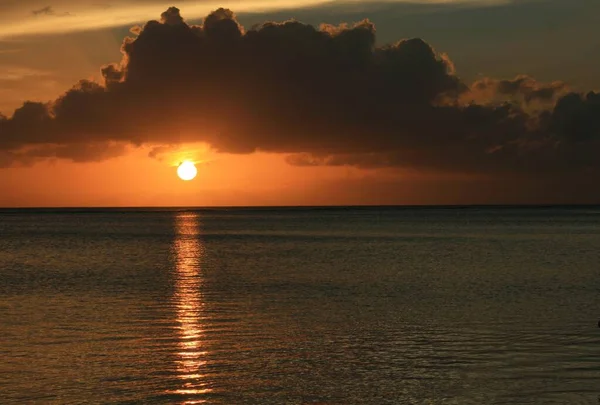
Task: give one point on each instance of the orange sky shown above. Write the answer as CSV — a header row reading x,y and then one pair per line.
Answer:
x,y
43,54
136,180
258,179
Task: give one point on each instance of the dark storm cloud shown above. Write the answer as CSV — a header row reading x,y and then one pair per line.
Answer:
x,y
327,96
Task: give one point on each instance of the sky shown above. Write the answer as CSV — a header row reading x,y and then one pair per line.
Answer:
x,y
299,102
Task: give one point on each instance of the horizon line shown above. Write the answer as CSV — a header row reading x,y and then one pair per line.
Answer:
x,y
328,206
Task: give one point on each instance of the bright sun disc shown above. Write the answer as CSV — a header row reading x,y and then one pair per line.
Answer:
x,y
187,171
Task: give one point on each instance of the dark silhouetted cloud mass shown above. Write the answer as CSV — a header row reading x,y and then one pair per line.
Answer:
x,y
325,96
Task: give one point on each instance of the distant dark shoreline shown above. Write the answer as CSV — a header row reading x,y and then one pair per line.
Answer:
x,y
302,208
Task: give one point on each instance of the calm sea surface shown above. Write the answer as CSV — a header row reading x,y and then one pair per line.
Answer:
x,y
300,306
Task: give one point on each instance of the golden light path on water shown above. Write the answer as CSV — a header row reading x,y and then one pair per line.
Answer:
x,y
189,305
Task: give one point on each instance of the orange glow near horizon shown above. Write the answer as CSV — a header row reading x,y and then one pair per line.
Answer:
x,y
258,179
137,180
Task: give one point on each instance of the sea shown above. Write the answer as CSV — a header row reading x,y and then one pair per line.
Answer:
x,y
320,305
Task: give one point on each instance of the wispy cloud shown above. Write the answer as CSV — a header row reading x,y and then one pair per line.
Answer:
x,y
96,15
93,15
15,73
48,10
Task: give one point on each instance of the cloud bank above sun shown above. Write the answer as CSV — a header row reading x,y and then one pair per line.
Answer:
x,y
325,96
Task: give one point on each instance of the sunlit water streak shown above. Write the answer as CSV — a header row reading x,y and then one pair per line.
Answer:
x,y
188,301
342,306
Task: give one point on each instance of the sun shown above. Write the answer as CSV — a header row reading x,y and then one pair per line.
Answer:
x,y
187,170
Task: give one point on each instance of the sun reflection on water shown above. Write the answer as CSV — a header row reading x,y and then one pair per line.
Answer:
x,y
189,305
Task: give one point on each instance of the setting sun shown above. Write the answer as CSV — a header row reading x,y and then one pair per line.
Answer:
x,y
187,171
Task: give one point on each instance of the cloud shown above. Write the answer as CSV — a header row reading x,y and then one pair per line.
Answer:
x,y
94,15
76,152
48,10
522,88
17,73
326,96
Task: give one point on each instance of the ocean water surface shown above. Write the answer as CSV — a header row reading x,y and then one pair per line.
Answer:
x,y
479,305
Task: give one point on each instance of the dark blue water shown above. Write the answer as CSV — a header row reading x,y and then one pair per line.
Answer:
x,y
300,306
